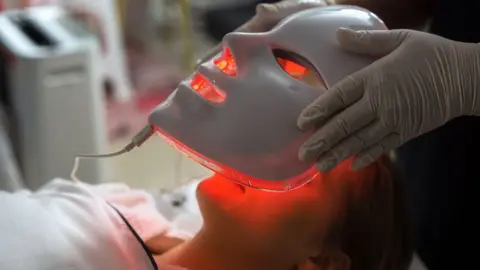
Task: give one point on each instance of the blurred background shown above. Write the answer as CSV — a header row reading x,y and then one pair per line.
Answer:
x,y
81,76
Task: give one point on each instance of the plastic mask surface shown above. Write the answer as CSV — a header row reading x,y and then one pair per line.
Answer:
x,y
237,114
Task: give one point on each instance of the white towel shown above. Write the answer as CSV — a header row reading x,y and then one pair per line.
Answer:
x,y
70,226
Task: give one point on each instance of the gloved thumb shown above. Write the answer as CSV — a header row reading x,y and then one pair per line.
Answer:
x,y
266,9
282,9
272,13
377,43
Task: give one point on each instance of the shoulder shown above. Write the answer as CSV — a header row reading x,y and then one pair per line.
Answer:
x,y
65,225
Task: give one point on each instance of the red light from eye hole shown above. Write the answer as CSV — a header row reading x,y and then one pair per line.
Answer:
x,y
293,69
240,178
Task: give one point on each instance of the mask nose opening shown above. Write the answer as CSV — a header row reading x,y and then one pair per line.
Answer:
x,y
298,68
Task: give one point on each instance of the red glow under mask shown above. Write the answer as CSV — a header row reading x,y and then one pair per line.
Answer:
x,y
237,114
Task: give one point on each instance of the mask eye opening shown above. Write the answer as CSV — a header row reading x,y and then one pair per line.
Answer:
x,y
298,68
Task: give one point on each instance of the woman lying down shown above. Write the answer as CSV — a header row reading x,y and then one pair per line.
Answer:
x,y
343,220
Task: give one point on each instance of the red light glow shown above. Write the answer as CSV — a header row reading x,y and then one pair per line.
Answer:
x,y
226,63
293,69
240,178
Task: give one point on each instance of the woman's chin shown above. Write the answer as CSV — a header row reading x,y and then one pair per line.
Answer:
x,y
220,190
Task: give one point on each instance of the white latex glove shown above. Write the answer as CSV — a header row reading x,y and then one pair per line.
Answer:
x,y
267,16
420,82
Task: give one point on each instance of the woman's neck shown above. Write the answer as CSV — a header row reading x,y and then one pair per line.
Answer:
x,y
203,253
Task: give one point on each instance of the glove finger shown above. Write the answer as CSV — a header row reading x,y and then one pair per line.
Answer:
x,y
282,9
368,136
252,25
376,43
368,156
267,16
340,96
338,128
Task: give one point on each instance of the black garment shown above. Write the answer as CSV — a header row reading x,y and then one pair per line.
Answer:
x,y
442,167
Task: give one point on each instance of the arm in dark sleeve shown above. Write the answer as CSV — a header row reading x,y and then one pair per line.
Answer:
x,y
396,13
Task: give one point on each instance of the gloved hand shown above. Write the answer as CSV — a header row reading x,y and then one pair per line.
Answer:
x,y
267,16
420,82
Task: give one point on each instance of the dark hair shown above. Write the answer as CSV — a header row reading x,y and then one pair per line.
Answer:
x,y
376,230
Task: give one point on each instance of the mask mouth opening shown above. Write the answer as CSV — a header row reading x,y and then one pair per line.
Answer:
x,y
203,87
299,68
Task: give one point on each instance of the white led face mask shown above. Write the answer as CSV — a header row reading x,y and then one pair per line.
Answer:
x,y
237,114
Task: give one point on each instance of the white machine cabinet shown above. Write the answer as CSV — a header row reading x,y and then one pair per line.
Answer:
x,y
52,87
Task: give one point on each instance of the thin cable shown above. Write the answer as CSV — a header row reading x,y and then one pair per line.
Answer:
x,y
136,141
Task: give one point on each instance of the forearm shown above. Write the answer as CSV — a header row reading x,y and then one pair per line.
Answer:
x,y
396,13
